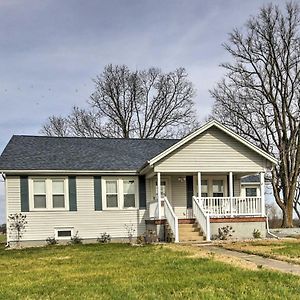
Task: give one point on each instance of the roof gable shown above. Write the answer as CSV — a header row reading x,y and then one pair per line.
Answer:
x,y
202,130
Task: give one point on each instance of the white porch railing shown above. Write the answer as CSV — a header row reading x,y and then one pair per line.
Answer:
x,y
202,218
235,206
171,218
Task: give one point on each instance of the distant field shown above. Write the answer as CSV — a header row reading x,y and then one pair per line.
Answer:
x,y
119,271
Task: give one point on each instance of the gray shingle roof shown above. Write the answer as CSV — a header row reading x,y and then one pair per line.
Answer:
x,y
250,179
71,153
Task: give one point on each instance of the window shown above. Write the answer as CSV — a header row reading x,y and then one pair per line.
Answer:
x,y
48,193
251,192
39,193
218,188
119,193
204,188
64,233
112,193
58,193
129,193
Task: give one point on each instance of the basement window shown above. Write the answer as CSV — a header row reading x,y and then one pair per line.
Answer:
x,y
63,233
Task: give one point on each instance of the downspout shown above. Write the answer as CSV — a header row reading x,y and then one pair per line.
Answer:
x,y
268,229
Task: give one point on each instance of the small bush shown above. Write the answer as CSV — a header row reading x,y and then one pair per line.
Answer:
x,y
17,225
148,237
225,232
51,240
256,234
130,232
76,239
104,238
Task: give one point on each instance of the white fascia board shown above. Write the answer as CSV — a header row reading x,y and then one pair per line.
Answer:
x,y
75,172
251,183
204,128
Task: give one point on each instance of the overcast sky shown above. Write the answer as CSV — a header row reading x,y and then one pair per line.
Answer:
x,y
51,50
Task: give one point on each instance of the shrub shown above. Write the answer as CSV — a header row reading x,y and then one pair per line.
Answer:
x,y
130,232
147,237
104,238
76,239
256,234
225,232
51,240
17,225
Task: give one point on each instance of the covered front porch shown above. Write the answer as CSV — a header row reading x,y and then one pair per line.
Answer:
x,y
205,197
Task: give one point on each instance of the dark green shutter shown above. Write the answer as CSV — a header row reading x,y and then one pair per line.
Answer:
x,y
189,191
142,191
72,194
24,193
97,193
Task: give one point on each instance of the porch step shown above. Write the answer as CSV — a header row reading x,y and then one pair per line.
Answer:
x,y
190,232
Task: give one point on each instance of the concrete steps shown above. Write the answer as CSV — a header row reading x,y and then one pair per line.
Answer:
x,y
190,233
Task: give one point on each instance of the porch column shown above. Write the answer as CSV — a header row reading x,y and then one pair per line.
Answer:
x,y
199,185
158,195
231,193
262,193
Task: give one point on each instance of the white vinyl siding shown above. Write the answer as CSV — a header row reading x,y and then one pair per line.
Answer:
x,y
89,223
212,151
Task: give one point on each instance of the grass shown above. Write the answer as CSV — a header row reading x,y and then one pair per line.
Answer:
x,y
285,250
119,271
2,238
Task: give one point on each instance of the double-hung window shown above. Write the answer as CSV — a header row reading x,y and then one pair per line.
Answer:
x,y
129,193
48,193
39,193
119,193
112,193
58,193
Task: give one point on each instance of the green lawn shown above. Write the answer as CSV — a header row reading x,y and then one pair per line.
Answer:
x,y
285,249
2,238
119,271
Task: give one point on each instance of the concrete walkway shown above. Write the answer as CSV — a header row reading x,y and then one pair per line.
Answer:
x,y
266,263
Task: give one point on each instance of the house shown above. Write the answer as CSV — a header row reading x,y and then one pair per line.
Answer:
x,y
93,185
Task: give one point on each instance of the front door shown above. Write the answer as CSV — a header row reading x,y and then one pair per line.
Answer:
x,y
165,191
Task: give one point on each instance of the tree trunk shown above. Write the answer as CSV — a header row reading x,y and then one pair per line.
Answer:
x,y
287,221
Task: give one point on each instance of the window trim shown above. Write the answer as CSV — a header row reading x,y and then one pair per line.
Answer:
x,y
49,194
120,195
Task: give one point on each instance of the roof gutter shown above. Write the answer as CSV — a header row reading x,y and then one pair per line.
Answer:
x,y
71,172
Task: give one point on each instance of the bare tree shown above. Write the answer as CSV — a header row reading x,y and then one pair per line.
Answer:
x,y
259,95
145,104
297,199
